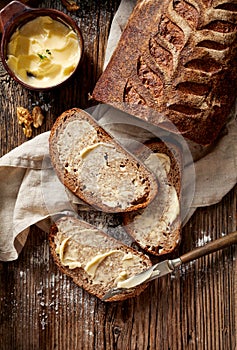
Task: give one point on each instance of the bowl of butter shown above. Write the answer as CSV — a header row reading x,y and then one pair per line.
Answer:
x,y
41,48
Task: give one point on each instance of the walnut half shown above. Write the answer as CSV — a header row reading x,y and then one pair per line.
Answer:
x,y
70,5
26,119
37,116
24,116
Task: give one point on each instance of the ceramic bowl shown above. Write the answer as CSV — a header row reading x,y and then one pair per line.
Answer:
x,y
13,16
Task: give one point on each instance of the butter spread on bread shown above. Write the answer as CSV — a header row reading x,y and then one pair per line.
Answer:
x,y
157,227
176,62
97,168
94,260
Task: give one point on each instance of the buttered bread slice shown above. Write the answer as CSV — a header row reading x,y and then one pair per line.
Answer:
x,y
97,168
94,260
157,228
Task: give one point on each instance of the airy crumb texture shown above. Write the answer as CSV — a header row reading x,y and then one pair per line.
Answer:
x,y
94,260
157,228
97,168
176,61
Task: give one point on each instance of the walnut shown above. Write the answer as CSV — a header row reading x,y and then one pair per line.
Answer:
x,y
70,5
24,116
27,130
37,116
26,119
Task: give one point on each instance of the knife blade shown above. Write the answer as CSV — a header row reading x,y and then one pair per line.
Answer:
x,y
158,270
167,266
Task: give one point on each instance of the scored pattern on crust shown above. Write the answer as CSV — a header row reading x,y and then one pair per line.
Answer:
x,y
182,70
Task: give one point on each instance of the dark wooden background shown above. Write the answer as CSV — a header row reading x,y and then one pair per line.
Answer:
x,y
40,308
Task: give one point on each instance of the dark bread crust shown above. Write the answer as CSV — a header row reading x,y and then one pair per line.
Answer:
x,y
172,240
71,179
79,275
176,61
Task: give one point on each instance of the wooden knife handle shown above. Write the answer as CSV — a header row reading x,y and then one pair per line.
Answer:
x,y
211,247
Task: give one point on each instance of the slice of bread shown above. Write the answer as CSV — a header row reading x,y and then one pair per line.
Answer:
x,y
94,260
96,168
157,228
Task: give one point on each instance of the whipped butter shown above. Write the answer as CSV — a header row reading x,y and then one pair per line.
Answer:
x,y
102,265
100,162
43,52
93,264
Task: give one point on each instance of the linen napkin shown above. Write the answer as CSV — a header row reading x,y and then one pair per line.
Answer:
x,y
30,192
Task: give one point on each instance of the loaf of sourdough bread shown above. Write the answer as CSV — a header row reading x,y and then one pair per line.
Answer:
x,y
175,66
157,228
96,168
94,260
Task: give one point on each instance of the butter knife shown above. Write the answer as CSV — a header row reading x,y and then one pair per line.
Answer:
x,y
167,266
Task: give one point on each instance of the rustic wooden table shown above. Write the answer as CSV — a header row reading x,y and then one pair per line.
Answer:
x,y
41,308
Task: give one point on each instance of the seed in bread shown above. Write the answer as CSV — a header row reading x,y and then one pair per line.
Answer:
x,y
94,260
97,168
157,228
176,61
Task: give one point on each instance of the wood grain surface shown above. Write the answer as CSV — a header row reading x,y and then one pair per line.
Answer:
x,y
40,308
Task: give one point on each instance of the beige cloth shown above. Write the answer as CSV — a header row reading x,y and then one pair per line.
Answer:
x,y
30,192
